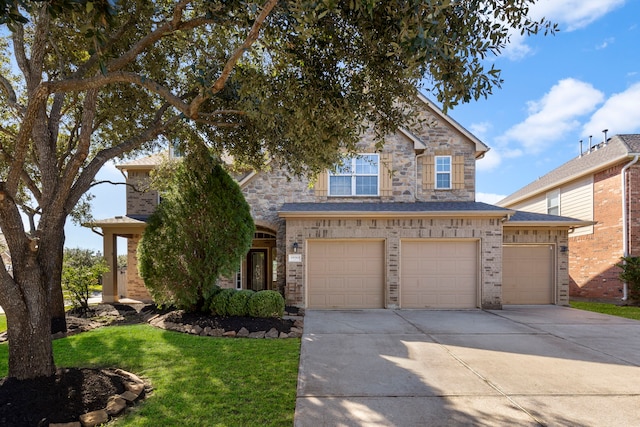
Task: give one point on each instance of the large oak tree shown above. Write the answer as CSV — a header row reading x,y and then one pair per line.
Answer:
x,y
83,82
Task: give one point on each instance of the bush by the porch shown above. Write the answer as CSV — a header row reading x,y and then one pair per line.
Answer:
x,y
266,304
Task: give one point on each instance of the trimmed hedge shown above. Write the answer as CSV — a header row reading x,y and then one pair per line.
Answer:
x,y
239,303
220,302
266,304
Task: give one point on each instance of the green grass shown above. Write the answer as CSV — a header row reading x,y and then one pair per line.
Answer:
x,y
3,323
197,381
630,312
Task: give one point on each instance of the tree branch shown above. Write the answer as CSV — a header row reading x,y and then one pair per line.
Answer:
x,y
12,99
221,81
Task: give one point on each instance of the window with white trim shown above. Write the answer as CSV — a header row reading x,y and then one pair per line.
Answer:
x,y
443,172
553,202
239,278
356,176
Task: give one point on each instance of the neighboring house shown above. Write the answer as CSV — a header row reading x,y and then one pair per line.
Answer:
x,y
399,228
601,185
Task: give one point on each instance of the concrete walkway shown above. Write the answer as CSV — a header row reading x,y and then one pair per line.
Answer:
x,y
524,365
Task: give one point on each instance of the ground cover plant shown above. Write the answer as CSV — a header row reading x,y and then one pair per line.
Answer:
x,y
628,311
197,381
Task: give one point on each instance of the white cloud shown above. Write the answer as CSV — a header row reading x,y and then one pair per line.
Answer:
x,y
573,14
490,161
605,44
570,15
555,115
489,197
619,114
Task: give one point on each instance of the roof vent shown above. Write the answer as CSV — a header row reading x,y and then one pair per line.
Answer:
x,y
590,144
580,148
604,131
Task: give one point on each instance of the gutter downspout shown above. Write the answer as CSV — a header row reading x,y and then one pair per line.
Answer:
x,y
625,221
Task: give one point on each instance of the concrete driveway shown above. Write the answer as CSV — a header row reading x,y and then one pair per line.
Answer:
x,y
524,365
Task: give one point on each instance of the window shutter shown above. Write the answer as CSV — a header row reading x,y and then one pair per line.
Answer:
x,y
386,177
320,187
428,174
457,171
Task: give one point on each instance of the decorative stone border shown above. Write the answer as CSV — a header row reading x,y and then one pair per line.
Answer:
x,y
135,388
295,332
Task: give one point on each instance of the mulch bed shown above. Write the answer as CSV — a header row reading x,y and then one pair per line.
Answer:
x,y
76,391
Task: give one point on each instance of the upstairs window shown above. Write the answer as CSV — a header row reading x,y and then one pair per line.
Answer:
x,y
443,172
356,176
553,202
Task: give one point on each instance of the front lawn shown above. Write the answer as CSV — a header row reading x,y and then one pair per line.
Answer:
x,y
3,322
630,312
197,381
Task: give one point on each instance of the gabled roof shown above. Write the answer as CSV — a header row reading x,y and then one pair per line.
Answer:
x,y
521,218
144,163
481,147
601,156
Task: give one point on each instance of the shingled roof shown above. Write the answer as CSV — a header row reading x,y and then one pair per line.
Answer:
x,y
601,156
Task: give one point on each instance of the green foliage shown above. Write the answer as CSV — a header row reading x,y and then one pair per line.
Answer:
x,y
266,304
221,300
199,232
82,270
627,311
631,275
239,303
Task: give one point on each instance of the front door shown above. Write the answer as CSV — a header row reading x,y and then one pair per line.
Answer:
x,y
257,269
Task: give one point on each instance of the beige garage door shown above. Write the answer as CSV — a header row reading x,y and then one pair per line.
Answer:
x,y
438,274
345,274
527,274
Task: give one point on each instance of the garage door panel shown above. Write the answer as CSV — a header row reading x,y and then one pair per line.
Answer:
x,y
345,274
527,277
438,274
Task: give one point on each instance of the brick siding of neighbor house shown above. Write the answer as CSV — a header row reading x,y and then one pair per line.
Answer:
x,y
558,238
634,210
593,256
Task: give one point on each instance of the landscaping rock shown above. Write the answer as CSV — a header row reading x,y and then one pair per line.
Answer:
x,y
243,333
273,333
115,405
230,334
71,424
94,418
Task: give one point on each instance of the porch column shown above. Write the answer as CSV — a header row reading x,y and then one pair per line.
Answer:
x,y
110,278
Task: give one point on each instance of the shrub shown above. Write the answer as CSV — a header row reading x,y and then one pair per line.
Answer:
x,y
631,275
81,273
266,304
239,303
220,302
209,297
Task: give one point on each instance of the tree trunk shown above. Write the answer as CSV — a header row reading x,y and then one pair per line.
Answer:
x,y
51,258
28,329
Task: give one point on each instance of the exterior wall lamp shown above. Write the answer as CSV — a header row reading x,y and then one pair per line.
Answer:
x,y
564,249
295,247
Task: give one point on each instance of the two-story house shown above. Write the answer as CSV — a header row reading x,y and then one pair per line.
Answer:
x,y
601,185
397,228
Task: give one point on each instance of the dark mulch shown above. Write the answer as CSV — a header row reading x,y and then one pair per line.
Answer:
x,y
59,399
73,392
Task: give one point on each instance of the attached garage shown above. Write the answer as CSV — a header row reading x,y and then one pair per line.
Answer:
x,y
345,274
528,274
438,274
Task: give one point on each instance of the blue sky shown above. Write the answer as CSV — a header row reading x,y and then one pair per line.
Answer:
x,y
557,90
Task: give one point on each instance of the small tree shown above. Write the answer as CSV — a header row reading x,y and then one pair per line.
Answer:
x,y
81,273
200,231
630,274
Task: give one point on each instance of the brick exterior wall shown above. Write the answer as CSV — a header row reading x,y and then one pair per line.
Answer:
x,y
593,256
135,285
558,238
487,230
140,200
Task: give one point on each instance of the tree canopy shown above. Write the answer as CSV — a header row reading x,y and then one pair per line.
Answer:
x,y
83,82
